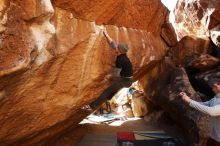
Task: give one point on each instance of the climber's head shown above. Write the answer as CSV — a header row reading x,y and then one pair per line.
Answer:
x,y
123,48
215,85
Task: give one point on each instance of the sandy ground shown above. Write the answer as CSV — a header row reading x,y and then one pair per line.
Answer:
x,y
151,123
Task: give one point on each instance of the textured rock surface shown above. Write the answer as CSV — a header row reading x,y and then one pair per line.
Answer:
x,y
204,62
168,34
50,66
140,106
215,35
188,48
196,17
163,84
215,16
133,13
54,59
25,33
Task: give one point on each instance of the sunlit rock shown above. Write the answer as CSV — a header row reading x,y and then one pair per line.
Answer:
x,y
140,105
215,35
132,14
52,63
196,17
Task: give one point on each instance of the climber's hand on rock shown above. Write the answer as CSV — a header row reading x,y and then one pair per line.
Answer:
x,y
182,94
105,32
185,97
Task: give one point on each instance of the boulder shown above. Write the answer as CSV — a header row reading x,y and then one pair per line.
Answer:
x,y
196,17
140,104
188,48
163,89
52,63
168,34
215,35
215,16
132,14
127,110
214,25
204,62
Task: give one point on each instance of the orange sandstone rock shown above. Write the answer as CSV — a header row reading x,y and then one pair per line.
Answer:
x,y
52,61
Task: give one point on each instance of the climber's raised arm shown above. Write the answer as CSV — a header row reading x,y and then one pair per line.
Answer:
x,y
110,40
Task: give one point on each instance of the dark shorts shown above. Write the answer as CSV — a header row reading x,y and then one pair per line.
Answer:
x,y
108,93
116,86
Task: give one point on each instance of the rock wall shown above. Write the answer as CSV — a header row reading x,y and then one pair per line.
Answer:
x,y
162,85
188,48
54,61
198,18
133,13
190,65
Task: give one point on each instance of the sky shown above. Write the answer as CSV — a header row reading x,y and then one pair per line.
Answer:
x,y
170,4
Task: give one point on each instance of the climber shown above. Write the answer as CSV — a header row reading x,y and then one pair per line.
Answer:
x,y
122,73
211,108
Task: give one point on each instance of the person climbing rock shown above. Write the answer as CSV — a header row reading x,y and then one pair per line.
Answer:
x,y
211,108
122,73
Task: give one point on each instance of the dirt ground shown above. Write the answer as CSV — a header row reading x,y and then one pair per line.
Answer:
x,y
148,123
